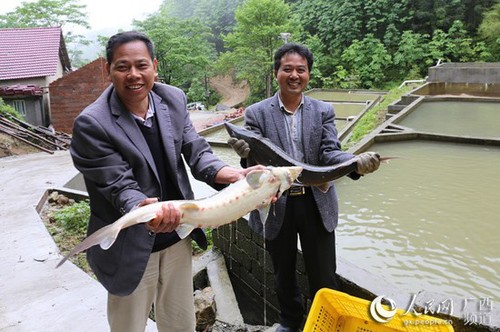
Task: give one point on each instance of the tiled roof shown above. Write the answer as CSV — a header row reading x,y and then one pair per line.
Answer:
x,y
29,52
21,89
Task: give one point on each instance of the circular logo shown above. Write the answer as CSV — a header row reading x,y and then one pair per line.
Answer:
x,y
379,313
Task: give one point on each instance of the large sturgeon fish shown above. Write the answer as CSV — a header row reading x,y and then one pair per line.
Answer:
x,y
255,191
264,152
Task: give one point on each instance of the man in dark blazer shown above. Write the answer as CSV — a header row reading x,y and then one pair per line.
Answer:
x,y
304,128
131,146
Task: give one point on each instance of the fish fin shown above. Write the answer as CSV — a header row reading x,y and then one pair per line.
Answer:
x,y
105,237
264,212
324,187
253,178
106,243
183,230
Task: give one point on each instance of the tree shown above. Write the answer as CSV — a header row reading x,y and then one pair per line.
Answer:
x,y
219,15
50,13
338,23
255,39
183,52
489,30
410,55
368,59
45,13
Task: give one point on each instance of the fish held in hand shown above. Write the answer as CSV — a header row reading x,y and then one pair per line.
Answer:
x,y
264,152
255,191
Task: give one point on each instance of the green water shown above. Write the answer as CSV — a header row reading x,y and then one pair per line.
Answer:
x,y
344,110
428,221
478,119
340,124
227,155
221,134
341,96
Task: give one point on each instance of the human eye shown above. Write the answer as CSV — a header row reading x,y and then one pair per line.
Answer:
x,y
121,67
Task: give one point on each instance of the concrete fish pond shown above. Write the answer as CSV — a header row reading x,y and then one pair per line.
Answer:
x,y
425,229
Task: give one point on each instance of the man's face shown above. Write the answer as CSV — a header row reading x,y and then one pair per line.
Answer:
x,y
292,75
132,72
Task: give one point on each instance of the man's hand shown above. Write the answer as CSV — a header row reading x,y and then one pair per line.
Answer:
x,y
368,162
240,146
167,218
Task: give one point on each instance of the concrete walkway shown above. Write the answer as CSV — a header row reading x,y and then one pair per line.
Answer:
x,y
34,296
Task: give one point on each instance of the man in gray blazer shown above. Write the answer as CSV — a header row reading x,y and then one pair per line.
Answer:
x,y
130,145
304,128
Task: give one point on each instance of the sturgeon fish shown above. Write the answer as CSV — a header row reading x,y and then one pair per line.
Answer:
x,y
264,152
255,191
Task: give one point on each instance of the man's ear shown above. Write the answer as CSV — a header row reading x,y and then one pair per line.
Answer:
x,y
106,67
155,66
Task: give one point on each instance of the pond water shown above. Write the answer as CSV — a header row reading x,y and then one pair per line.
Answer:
x,y
428,221
341,96
221,134
344,110
478,119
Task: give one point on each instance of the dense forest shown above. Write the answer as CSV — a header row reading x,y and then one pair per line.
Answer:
x,y
356,43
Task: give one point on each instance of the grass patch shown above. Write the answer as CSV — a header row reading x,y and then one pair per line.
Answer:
x,y
375,116
66,221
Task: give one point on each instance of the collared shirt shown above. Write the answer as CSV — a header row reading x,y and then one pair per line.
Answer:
x,y
293,124
148,122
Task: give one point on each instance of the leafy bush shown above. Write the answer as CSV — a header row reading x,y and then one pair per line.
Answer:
x,y
8,110
197,249
74,218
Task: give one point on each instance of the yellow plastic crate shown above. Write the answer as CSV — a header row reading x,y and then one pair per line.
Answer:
x,y
334,311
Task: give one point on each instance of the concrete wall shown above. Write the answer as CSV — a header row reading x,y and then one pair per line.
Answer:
x,y
251,270
70,94
465,73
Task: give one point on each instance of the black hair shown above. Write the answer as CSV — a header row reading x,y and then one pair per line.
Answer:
x,y
127,37
290,48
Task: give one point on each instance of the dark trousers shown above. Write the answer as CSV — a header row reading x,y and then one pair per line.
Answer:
x,y
318,249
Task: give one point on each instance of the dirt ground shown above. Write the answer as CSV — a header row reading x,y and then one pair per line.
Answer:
x,y
232,94
10,146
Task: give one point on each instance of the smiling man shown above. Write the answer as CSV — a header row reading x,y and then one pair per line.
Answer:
x,y
129,146
305,129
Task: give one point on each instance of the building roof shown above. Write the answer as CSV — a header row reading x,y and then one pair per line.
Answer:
x,y
21,89
31,52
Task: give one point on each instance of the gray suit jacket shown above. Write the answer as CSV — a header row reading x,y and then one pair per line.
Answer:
x,y
110,151
321,148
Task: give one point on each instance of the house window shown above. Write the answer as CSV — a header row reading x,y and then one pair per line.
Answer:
x,y
20,106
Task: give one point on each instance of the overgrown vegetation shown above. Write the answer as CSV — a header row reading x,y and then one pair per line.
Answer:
x,y
9,111
375,116
356,43
67,223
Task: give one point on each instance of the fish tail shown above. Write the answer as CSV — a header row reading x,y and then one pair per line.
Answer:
x,y
105,237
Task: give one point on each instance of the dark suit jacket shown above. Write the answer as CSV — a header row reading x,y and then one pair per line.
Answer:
x,y
321,148
110,151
